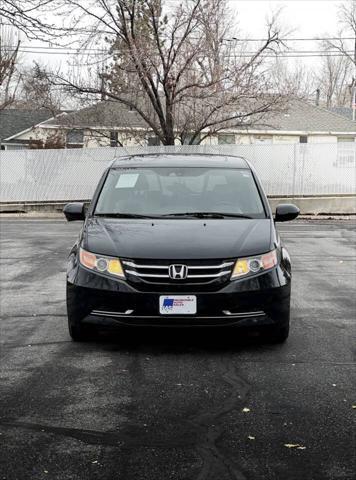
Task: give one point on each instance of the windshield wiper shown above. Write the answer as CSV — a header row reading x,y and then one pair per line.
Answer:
x,y
207,215
178,214
124,215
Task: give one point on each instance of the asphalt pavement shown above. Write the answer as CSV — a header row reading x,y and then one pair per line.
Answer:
x,y
177,405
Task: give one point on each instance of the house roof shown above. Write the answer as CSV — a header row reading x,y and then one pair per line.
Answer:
x,y
299,116
107,114
302,116
343,111
14,121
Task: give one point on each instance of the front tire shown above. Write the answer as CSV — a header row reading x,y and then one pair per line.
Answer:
x,y
278,334
77,332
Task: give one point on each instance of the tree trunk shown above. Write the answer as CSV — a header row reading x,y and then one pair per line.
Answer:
x,y
169,139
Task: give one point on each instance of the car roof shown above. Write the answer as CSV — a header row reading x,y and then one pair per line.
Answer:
x,y
181,160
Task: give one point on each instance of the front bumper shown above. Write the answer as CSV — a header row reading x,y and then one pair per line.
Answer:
x,y
259,300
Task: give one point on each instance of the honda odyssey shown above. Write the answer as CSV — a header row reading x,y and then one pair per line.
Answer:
x,y
179,240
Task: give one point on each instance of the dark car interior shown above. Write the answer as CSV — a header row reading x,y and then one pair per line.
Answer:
x,y
165,190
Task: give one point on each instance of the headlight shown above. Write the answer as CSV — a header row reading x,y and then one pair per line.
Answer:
x,y
101,263
252,265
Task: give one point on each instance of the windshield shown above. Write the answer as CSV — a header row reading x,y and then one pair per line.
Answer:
x,y
188,191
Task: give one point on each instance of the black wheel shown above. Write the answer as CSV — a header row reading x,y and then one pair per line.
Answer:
x,y
277,334
78,332
75,314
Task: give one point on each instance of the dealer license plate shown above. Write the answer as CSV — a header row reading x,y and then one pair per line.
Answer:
x,y
178,304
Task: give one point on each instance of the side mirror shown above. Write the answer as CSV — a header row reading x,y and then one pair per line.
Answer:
x,y
74,211
285,212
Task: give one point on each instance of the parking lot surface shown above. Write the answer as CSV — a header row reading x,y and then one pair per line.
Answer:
x,y
177,405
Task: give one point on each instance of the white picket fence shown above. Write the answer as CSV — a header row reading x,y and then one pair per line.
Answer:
x,y
72,174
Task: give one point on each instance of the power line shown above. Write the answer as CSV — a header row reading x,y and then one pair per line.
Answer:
x,y
276,55
291,39
58,50
235,39
61,48
79,51
244,54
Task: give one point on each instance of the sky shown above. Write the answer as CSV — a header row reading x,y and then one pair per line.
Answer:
x,y
309,18
302,18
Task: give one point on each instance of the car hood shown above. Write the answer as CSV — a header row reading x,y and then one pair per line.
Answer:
x,y
177,239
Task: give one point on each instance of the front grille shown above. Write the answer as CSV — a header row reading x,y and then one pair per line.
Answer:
x,y
195,271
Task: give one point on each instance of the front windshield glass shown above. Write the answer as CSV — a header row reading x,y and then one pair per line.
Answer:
x,y
165,191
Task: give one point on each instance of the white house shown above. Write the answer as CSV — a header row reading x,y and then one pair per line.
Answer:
x,y
112,124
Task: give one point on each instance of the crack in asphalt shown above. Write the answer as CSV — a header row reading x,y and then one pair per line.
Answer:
x,y
203,436
214,461
96,437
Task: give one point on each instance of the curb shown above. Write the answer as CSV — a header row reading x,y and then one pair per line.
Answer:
x,y
313,205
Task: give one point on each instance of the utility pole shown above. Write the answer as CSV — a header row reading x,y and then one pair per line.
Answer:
x,y
317,97
102,96
103,81
354,84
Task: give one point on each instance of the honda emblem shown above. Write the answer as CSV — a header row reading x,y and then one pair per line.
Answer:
x,y
178,272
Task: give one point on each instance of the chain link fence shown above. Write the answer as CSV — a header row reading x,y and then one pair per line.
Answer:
x,y
72,174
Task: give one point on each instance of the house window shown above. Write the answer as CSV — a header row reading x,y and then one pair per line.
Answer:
x,y
346,152
345,139
226,139
114,139
75,138
14,147
188,139
303,139
153,141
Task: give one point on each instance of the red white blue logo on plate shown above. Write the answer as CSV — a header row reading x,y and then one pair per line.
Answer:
x,y
168,303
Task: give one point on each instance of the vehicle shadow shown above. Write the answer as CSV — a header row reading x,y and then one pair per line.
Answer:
x,y
180,340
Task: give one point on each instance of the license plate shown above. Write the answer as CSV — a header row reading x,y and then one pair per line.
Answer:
x,y
178,304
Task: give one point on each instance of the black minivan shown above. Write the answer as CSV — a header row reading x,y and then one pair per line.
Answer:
x,y
179,240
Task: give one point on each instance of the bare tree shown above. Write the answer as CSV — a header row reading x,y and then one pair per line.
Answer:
x,y
298,81
335,79
346,46
52,141
38,92
30,17
8,58
175,67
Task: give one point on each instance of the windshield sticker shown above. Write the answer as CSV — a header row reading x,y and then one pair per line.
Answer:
x,y
127,180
